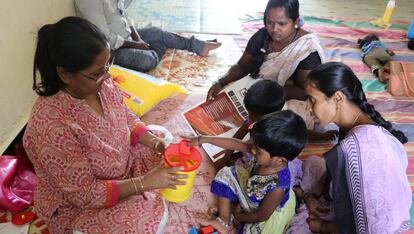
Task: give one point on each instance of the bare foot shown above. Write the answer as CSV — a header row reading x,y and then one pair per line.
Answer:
x,y
208,46
383,76
386,76
216,225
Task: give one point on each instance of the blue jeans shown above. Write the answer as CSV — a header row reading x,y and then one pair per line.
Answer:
x,y
159,41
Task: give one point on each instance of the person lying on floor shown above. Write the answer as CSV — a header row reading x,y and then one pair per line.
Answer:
x,y
140,49
376,56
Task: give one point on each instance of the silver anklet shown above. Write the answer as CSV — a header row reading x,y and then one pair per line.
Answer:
x,y
227,226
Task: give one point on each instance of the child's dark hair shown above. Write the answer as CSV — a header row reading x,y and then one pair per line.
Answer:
x,y
410,44
72,43
282,133
264,97
334,76
368,38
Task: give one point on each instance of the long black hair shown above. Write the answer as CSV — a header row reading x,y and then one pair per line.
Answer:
x,y
281,133
72,43
334,76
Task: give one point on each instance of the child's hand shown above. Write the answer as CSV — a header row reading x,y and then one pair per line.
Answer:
x,y
315,223
237,211
316,208
390,52
298,191
192,140
238,208
222,162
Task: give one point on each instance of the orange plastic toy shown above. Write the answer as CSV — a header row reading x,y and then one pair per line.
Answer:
x,y
181,154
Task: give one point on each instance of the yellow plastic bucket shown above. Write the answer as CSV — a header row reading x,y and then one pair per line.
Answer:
x,y
181,154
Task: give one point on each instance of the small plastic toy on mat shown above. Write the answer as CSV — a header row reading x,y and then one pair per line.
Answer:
x,y
385,21
203,230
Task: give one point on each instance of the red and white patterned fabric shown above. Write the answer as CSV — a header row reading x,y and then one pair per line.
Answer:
x,y
79,156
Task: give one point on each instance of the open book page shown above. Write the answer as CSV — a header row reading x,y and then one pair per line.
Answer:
x,y
220,117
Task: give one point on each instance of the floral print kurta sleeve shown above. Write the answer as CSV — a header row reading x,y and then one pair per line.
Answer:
x,y
61,157
138,128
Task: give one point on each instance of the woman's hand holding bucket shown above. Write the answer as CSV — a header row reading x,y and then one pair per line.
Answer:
x,y
187,159
164,177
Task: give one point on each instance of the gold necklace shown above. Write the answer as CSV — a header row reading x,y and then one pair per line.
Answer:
x,y
356,118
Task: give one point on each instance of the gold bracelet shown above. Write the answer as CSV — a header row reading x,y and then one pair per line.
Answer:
x,y
142,185
154,146
135,186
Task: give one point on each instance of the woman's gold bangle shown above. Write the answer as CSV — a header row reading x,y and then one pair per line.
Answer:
x,y
140,182
135,186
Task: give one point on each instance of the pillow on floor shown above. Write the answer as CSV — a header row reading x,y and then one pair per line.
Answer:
x,y
141,91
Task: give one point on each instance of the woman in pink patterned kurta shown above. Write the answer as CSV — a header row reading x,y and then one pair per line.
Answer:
x,y
85,144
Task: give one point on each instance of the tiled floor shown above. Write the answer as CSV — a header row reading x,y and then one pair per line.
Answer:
x,y
222,16
207,16
404,9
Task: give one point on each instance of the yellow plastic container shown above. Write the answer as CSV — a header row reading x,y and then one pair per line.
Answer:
x,y
388,12
181,154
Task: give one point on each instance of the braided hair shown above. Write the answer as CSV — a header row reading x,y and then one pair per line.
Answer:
x,y
334,76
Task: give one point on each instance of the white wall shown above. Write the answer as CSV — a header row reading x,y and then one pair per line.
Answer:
x,y
19,23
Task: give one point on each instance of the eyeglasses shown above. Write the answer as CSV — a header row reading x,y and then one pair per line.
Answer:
x,y
99,77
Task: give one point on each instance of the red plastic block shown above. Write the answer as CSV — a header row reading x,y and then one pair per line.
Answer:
x,y
207,230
